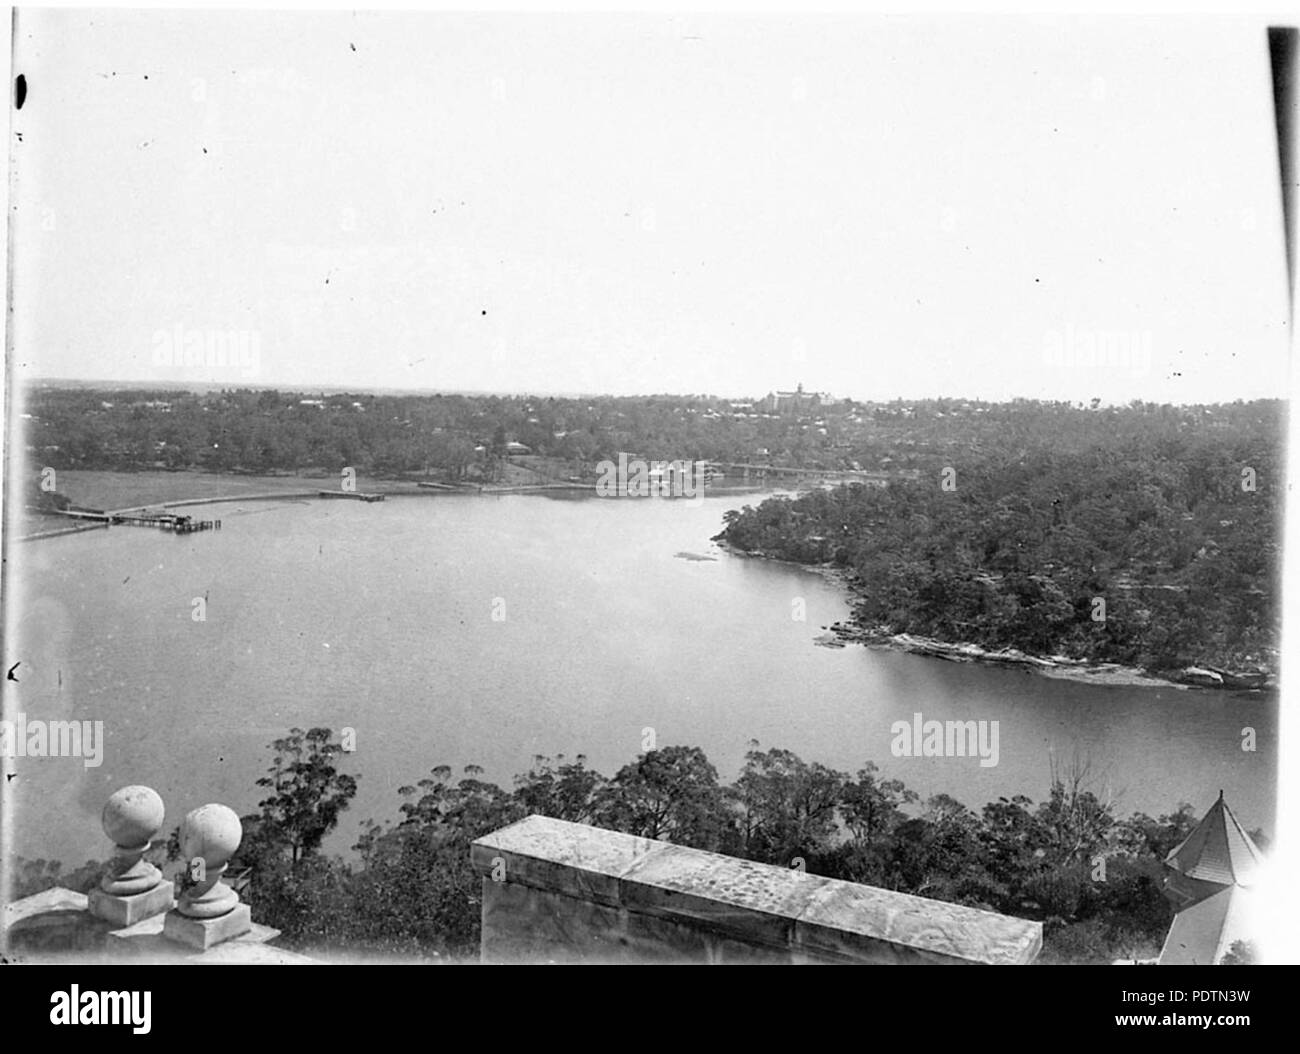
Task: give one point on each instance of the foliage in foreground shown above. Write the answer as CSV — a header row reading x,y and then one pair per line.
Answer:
x,y
1090,877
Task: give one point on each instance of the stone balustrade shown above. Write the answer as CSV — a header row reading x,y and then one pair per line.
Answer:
x,y
136,914
552,892
564,892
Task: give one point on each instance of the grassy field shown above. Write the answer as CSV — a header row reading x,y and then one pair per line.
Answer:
x,y
121,490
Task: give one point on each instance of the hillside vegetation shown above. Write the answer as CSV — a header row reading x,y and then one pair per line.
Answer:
x,y
1152,541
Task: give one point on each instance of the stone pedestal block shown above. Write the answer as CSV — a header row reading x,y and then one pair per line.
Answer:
x,y
204,933
128,910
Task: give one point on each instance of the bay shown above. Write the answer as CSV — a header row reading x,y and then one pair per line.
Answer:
x,y
488,629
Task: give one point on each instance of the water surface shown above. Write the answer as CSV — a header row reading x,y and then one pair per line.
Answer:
x,y
380,617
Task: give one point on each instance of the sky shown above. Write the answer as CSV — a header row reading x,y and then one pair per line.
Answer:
x,y
878,207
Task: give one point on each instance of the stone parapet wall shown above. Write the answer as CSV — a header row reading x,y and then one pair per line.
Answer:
x,y
564,892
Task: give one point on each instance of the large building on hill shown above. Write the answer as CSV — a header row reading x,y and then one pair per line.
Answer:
x,y
1208,877
797,401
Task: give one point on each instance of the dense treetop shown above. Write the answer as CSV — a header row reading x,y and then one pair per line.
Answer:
x,y
1070,861
1145,536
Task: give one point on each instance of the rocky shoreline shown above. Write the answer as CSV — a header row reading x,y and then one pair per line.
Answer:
x,y
1060,667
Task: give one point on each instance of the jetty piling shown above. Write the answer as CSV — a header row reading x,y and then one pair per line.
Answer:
x,y
166,521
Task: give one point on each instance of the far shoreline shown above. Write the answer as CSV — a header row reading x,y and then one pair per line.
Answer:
x,y
1056,667
122,492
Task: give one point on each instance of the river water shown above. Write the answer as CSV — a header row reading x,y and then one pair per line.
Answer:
x,y
489,629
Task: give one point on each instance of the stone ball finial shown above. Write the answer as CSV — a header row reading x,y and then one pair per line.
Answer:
x,y
132,816
212,832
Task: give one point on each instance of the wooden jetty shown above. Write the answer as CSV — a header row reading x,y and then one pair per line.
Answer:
x,y
168,521
155,515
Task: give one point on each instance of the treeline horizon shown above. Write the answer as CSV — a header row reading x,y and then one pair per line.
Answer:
x,y
1091,878
261,431
148,385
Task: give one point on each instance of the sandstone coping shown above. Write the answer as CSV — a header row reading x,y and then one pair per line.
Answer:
x,y
83,937
758,904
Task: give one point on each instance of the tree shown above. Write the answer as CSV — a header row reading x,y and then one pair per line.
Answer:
x,y
872,807
788,807
671,793
566,791
1077,824
308,791
417,892
1242,953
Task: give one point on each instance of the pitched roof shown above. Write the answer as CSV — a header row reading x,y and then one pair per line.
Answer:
x,y
1218,850
1203,933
